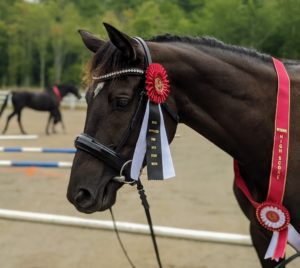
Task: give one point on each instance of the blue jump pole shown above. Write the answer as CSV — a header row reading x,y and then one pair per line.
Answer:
x,y
37,150
12,163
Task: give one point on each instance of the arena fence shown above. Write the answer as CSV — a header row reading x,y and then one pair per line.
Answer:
x,y
169,232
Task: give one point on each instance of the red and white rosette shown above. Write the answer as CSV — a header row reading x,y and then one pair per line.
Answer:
x,y
275,218
272,216
152,143
157,83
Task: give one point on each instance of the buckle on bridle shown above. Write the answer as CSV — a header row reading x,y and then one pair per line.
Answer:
x,y
121,178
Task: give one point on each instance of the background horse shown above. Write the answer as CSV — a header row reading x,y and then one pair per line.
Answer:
x,y
49,100
225,93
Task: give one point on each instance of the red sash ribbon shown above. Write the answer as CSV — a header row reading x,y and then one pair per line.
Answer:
x,y
57,93
271,214
281,136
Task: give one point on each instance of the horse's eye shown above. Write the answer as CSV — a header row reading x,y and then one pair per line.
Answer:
x,y
120,103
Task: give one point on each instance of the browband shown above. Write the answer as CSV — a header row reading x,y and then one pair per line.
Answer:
x,y
123,72
130,71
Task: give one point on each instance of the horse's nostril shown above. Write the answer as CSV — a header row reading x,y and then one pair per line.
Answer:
x,y
84,198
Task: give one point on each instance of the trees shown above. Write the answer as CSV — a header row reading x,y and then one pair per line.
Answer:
x,y
39,43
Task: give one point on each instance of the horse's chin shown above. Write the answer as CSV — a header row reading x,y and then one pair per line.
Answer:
x,y
109,196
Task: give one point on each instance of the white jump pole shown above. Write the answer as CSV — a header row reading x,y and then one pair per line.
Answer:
x,y
18,137
170,232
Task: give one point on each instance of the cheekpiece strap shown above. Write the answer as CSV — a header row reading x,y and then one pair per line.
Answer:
x,y
152,142
148,57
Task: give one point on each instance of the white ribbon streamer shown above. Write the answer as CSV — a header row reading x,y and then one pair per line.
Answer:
x,y
141,146
293,240
168,168
272,246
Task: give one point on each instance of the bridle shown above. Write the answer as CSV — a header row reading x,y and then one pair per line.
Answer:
x,y
114,158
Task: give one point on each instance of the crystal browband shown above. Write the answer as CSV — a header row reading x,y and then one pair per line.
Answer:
x,y
131,71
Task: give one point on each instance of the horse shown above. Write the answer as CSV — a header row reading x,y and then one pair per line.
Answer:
x,y
224,92
48,100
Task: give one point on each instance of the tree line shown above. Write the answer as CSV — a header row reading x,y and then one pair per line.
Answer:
x,y
39,43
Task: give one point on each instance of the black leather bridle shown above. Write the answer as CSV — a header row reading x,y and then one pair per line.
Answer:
x,y
114,158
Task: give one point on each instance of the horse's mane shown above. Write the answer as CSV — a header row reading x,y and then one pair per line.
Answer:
x,y
215,43
110,57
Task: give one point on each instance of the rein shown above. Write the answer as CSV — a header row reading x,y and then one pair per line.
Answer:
x,y
113,158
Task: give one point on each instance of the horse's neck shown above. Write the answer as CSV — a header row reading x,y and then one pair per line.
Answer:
x,y
226,98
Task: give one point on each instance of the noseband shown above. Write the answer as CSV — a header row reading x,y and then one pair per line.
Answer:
x,y
114,158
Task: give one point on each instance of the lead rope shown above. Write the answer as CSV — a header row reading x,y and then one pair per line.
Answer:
x,y
146,206
119,238
288,260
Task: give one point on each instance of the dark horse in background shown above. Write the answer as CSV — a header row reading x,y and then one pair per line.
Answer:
x,y
47,101
226,93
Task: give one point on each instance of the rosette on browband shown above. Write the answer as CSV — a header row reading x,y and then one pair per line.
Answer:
x,y
153,141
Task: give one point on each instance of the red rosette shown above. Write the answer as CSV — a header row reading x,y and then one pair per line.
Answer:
x,y
157,83
272,216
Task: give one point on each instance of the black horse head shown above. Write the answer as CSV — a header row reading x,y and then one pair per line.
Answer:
x,y
116,107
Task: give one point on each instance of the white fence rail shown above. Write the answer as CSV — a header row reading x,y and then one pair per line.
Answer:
x,y
169,232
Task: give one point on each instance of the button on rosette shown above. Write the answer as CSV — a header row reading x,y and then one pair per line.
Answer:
x,y
157,83
272,216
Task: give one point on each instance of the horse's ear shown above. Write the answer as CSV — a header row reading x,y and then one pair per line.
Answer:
x,y
92,42
122,41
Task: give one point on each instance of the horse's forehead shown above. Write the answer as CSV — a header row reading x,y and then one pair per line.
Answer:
x,y
124,86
